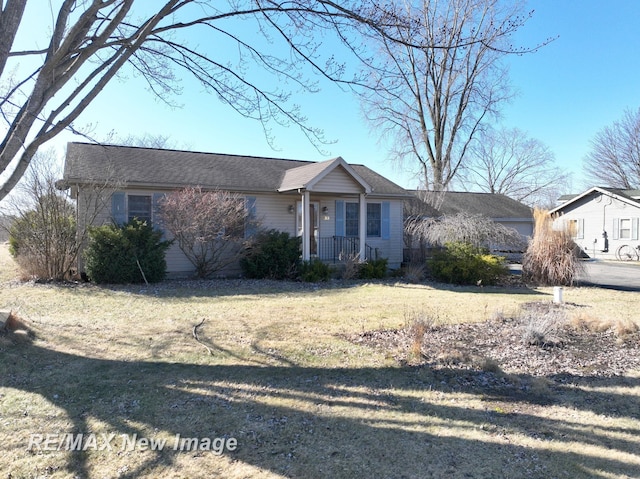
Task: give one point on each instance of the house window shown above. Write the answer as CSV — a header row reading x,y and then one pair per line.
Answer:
x,y
139,206
625,228
352,212
374,219
576,228
352,219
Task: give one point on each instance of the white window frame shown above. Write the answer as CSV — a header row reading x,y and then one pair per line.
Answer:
x,y
631,230
367,220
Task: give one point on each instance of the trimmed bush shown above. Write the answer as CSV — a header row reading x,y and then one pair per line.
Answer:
x,y
275,255
463,263
120,254
314,271
373,269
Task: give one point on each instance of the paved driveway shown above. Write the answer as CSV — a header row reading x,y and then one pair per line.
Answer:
x,y
624,276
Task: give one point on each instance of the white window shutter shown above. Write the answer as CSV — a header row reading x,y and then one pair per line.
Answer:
x,y
616,228
580,232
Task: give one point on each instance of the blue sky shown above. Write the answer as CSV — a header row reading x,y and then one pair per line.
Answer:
x,y
567,91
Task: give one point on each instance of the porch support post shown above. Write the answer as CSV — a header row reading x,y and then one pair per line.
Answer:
x,y
362,226
306,226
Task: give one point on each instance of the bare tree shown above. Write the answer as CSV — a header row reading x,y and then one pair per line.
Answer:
x,y
209,227
614,159
46,231
92,41
147,140
431,90
508,162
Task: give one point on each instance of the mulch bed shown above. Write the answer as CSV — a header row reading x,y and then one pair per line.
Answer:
x,y
504,344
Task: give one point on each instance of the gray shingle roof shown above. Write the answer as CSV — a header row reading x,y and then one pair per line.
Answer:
x,y
159,168
301,176
486,204
630,196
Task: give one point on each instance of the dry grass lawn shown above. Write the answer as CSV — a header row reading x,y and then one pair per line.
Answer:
x,y
274,370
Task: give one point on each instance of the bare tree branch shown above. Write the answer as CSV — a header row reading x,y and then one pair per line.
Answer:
x,y
209,227
614,159
94,41
433,100
508,162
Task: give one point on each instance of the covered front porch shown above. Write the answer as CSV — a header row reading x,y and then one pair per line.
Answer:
x,y
322,190
341,249
320,225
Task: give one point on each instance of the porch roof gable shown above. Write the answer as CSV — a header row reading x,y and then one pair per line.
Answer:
x,y
306,177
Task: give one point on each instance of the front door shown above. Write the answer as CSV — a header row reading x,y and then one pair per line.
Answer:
x,y
314,221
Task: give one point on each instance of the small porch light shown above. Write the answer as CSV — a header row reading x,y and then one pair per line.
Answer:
x,y
290,209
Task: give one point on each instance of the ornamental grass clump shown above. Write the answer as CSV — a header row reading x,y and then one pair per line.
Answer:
x,y
552,257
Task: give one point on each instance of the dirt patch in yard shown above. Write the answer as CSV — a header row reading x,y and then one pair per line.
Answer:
x,y
541,340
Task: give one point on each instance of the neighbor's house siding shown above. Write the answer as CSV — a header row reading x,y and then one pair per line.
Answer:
x,y
595,214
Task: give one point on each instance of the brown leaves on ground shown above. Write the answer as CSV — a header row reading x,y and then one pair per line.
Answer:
x,y
542,340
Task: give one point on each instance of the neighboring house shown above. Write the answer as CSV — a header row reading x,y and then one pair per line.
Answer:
x,y
601,219
499,208
339,209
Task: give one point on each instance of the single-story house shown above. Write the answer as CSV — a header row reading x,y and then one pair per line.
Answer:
x,y
336,207
601,220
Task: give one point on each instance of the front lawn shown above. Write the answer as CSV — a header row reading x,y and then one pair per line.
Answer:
x,y
292,374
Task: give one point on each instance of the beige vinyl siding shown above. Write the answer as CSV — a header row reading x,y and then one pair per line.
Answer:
x,y
273,212
391,248
328,220
337,181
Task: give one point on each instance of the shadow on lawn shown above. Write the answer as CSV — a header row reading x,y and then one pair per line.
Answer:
x,y
324,422
190,288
